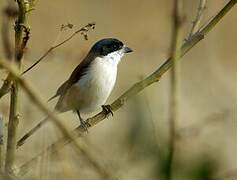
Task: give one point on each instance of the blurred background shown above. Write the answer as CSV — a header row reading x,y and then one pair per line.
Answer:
x,y
130,144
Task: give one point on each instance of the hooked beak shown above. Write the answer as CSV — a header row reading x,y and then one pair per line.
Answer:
x,y
127,49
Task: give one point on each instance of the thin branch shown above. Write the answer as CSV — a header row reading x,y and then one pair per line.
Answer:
x,y
178,20
20,44
196,22
136,88
43,107
83,31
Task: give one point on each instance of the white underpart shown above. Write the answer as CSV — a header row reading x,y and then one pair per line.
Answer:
x,y
94,88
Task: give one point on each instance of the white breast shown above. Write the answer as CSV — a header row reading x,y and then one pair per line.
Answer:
x,y
94,88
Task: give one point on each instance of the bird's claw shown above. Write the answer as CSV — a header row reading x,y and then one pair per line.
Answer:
x,y
107,109
85,125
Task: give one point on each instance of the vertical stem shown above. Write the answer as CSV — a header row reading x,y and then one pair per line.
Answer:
x,y
23,6
12,127
174,80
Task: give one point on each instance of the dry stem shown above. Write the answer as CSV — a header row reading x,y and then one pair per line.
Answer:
x,y
20,44
174,81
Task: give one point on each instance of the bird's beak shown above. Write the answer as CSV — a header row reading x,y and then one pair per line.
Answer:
x,y
127,49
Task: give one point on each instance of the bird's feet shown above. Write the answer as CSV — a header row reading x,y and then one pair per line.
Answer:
x,y
107,109
85,125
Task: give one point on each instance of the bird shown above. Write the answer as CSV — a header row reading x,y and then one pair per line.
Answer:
x,y
90,84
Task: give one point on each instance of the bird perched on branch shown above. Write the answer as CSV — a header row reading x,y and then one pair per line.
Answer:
x,y
91,82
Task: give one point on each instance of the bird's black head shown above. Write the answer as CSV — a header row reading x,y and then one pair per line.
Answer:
x,y
108,45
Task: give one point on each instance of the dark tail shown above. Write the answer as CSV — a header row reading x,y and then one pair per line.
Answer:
x,y
31,132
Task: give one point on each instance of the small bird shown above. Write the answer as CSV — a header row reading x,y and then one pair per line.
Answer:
x,y
91,82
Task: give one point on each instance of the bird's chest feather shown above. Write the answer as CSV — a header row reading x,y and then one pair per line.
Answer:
x,y
98,81
101,76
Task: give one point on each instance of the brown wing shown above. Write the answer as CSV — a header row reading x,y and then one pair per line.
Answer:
x,y
79,71
76,75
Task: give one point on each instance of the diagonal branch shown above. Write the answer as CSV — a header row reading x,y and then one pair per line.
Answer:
x,y
136,88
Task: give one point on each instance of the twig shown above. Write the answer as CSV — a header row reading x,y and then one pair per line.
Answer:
x,y
176,43
14,112
83,31
136,88
196,22
43,107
